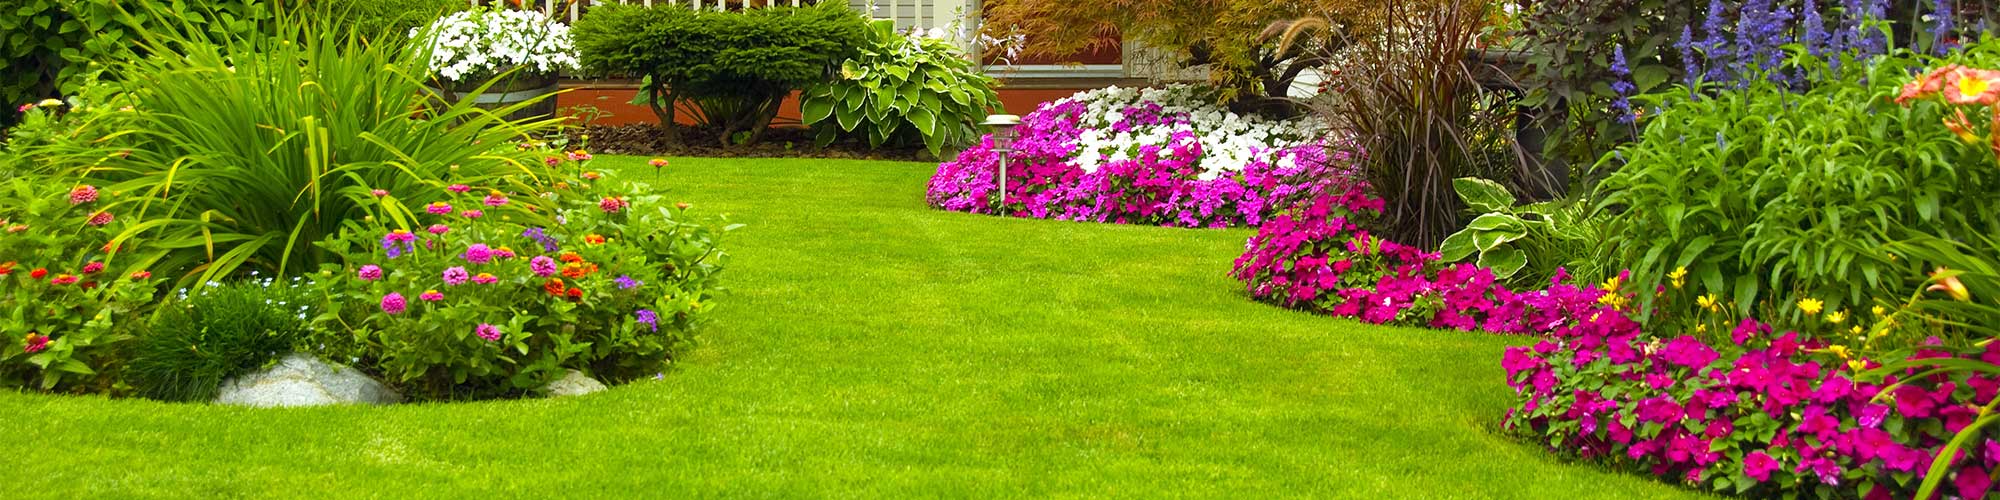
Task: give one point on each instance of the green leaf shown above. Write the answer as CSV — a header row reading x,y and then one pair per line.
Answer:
x,y
1483,195
815,110
1504,261
1457,247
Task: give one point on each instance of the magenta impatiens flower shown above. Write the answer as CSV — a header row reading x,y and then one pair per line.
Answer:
x,y
489,332
394,303
1759,465
369,272
456,275
542,266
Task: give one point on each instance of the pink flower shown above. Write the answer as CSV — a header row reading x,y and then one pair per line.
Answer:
x,y
489,332
542,265
458,188
393,303
456,276
369,272
552,161
1759,465
438,208
431,296
495,199
479,253
93,268
439,229
658,162
36,343
378,193
472,214
99,219
82,194
612,204
579,155
484,278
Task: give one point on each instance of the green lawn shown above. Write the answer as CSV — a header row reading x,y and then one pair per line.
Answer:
x,y
877,348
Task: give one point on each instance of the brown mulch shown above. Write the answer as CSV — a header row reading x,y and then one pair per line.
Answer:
x,y
779,142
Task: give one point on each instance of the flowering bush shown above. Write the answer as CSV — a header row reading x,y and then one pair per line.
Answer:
x,y
496,292
1162,156
65,313
481,43
1769,414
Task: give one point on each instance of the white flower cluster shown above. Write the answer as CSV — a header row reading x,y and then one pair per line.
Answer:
x,y
1229,141
481,42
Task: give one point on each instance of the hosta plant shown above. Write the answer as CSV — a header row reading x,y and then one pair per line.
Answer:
x,y
901,87
1522,244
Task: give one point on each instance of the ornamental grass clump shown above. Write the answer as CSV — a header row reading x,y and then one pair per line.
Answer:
x,y
241,154
214,332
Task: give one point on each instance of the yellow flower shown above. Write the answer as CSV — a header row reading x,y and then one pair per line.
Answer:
x,y
1701,328
1611,285
1679,276
1613,299
1836,317
1709,302
1971,86
49,103
1838,350
1856,364
1878,310
1950,285
1811,306
1856,330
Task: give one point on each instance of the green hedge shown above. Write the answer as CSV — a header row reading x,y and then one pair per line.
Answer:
x,y
737,66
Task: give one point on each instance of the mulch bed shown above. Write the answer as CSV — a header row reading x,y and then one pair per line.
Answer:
x,y
779,142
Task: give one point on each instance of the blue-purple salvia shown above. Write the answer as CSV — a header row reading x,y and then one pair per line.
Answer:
x,y
627,283
647,317
1690,68
1622,86
1816,40
1715,48
1941,26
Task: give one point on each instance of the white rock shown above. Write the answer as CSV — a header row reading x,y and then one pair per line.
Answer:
x,y
300,380
574,383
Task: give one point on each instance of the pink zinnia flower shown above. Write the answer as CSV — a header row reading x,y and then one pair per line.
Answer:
x,y
495,199
552,161
579,155
378,193
140,275
431,296
542,265
658,162
93,268
36,343
393,303
438,208
612,204
63,279
472,214
99,219
489,332
370,272
83,194
484,278
459,188
456,276
439,229
479,253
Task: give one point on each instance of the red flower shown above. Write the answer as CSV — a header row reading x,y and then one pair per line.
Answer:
x,y
6,268
63,279
38,273
554,287
88,285
93,268
142,275
575,294
572,257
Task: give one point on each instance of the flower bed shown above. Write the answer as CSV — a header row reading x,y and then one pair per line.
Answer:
x,y
1162,156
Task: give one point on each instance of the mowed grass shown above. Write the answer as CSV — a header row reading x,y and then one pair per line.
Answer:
x,y
873,347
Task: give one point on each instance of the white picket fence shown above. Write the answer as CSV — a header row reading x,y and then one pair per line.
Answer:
x,y
909,14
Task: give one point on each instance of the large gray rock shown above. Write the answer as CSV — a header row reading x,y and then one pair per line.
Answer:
x,y
300,380
574,383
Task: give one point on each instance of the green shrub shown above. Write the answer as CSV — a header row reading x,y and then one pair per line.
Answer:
x,y
246,152
388,20
594,276
218,332
1767,195
903,87
748,60
50,45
